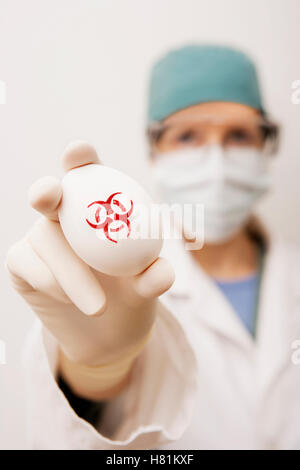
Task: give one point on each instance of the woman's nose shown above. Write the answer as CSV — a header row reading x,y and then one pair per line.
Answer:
x,y
214,138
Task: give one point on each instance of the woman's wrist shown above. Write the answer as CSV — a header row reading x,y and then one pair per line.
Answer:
x,y
100,382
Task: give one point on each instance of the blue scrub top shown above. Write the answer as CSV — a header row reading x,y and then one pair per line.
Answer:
x,y
242,295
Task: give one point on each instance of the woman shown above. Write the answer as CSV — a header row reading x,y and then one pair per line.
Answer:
x,y
208,365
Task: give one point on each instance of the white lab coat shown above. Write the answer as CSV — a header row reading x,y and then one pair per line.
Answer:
x,y
201,382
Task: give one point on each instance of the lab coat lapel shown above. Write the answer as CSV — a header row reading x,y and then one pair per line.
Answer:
x,y
203,297
217,313
273,328
271,350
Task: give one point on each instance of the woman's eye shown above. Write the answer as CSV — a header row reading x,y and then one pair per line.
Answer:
x,y
239,136
187,136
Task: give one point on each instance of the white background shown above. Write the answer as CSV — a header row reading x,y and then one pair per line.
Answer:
x,y
78,69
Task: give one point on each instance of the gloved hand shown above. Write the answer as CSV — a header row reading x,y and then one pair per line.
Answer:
x,y
101,322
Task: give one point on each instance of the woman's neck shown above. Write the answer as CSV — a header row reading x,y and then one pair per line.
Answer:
x,y
231,260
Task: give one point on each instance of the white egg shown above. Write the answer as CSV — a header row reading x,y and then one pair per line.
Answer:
x,y
105,216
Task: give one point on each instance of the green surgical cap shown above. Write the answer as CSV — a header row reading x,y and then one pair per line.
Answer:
x,y
201,73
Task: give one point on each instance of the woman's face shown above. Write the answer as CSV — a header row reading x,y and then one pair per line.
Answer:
x,y
221,123
226,183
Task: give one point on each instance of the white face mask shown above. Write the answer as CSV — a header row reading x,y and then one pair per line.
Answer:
x,y
227,182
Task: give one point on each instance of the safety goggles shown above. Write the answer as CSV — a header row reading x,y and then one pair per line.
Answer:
x,y
227,131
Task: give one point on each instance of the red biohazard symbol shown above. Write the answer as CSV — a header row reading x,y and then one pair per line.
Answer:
x,y
115,216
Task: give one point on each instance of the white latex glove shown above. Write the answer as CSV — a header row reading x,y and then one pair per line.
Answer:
x,y
101,322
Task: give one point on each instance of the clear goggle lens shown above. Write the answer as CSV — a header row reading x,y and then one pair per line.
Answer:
x,y
223,130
